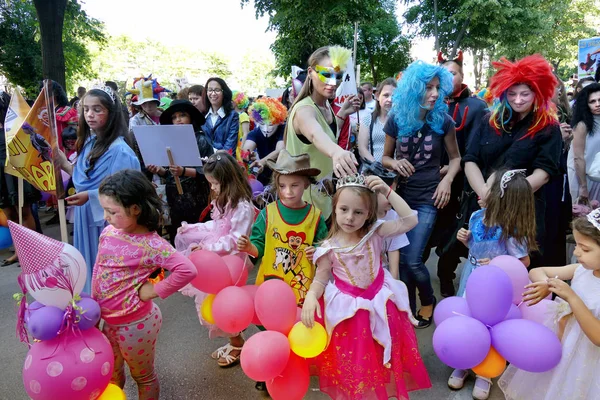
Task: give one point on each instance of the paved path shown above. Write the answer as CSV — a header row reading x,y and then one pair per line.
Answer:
x,y
183,355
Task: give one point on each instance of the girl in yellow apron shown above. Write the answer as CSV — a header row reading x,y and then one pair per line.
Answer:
x,y
285,232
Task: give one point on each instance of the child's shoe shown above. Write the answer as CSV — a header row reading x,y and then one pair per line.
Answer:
x,y
457,379
481,390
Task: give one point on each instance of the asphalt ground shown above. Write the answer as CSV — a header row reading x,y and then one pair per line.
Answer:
x,y
183,362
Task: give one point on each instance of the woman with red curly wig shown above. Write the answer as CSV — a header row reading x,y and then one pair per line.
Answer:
x,y
521,132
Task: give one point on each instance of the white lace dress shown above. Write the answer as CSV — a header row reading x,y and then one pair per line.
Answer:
x,y
577,376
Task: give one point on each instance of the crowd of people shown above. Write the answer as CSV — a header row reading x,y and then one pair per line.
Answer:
x,y
362,194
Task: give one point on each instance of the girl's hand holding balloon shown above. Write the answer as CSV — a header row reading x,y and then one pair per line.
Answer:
x,y
536,292
311,303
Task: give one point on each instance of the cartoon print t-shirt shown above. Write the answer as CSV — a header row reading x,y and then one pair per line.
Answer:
x,y
419,188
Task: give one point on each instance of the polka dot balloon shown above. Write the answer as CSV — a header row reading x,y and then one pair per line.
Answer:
x,y
74,367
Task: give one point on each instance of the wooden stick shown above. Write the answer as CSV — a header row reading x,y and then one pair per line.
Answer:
x,y
177,181
64,235
21,197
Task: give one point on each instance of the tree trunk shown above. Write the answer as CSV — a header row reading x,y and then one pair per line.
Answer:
x,y
476,70
372,65
459,37
435,27
51,15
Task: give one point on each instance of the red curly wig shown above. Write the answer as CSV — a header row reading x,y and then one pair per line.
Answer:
x,y
533,71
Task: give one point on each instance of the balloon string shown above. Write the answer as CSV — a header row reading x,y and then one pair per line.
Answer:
x,y
70,323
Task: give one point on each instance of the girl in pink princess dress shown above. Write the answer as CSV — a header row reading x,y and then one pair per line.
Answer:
x,y
232,217
372,351
130,250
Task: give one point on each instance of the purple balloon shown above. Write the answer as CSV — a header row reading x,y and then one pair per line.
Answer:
x,y
256,186
45,323
45,196
513,313
489,294
516,271
31,308
461,342
451,307
536,313
527,345
90,315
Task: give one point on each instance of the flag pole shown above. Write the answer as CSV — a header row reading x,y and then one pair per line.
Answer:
x,y
21,197
358,83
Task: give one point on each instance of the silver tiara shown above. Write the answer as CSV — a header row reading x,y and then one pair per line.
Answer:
x,y
357,180
108,91
507,176
594,218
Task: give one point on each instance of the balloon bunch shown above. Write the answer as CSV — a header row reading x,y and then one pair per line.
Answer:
x,y
157,89
70,358
492,325
276,356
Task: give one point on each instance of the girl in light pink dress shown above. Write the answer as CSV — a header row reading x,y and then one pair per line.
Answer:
x,y
232,217
372,351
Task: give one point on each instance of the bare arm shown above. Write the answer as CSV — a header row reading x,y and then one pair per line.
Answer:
x,y
453,154
539,288
587,321
389,148
394,260
475,178
538,178
363,142
579,135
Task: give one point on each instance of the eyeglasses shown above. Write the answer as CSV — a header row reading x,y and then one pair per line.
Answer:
x,y
214,90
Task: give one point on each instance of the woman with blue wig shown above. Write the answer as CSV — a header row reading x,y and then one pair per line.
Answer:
x,y
417,131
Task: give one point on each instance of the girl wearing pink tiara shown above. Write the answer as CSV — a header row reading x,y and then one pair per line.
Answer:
x,y
232,217
576,321
363,298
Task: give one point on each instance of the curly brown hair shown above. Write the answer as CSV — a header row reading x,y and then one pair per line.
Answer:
x,y
232,178
515,211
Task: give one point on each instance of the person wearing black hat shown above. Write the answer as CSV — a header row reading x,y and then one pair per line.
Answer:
x,y
196,189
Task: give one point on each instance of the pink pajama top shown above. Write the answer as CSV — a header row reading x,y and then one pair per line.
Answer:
x,y
124,263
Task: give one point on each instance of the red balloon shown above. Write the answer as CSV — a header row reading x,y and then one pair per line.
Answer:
x,y
265,355
275,305
251,291
237,269
293,382
232,309
213,274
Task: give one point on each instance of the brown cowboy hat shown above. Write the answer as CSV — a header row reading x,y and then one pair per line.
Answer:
x,y
288,164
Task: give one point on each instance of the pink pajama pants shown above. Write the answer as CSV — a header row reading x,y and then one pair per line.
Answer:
x,y
134,343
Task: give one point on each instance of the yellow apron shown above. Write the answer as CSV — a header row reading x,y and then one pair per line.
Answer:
x,y
285,244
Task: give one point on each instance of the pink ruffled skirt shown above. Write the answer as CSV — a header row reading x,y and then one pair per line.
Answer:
x,y
373,351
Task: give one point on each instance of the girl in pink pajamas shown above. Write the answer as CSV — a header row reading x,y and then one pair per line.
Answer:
x,y
129,251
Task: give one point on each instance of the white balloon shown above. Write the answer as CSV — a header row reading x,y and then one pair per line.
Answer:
x,y
73,267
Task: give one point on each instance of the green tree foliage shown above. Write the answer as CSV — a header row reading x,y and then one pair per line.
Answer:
x,y
511,28
20,44
302,26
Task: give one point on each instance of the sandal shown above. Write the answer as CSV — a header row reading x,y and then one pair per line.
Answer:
x,y
7,262
481,390
457,379
225,353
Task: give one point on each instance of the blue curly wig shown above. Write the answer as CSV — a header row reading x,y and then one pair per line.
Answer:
x,y
409,94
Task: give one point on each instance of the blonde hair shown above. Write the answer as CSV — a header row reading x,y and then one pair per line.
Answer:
x,y
369,197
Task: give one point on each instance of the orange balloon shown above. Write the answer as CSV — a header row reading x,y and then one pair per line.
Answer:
x,y
3,219
492,366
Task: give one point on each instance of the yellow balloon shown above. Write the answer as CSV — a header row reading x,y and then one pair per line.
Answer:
x,y
492,366
113,392
206,309
307,342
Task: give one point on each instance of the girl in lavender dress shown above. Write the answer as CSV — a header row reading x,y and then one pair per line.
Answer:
x,y
372,351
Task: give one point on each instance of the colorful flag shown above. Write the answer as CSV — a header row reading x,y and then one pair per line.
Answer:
x,y
346,88
15,115
589,57
30,150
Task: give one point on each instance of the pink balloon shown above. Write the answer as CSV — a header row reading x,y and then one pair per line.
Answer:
x,y
516,271
265,355
237,269
293,382
299,314
74,367
275,305
536,313
232,309
251,291
213,275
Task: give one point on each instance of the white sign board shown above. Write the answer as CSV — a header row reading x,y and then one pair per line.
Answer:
x,y
153,141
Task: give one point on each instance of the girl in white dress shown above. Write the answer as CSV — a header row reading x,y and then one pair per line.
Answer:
x,y
575,319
